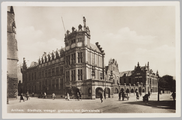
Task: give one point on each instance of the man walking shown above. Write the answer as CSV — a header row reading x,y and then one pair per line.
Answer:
x,y
119,95
101,97
21,97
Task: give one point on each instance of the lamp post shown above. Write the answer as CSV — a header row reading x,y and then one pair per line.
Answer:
x,y
158,90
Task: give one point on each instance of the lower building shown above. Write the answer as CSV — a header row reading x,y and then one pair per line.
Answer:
x,y
142,78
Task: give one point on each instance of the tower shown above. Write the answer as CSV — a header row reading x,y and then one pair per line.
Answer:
x,y
12,55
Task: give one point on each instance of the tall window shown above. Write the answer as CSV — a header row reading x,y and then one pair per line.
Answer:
x,y
73,58
80,57
57,70
61,83
45,73
130,80
53,71
73,41
67,76
35,75
68,60
61,70
101,77
32,76
79,39
49,73
73,75
57,83
29,77
120,80
79,74
42,73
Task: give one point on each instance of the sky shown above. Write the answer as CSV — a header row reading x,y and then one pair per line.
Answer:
x,y
128,34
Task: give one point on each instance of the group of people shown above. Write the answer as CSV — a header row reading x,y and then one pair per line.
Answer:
x,y
77,96
123,95
22,97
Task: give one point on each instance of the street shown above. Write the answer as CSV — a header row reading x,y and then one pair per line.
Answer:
x,y
110,105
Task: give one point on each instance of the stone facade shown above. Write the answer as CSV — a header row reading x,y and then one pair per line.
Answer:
x,y
12,56
79,66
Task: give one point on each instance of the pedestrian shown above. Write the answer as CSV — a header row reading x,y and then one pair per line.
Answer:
x,y
146,98
68,96
78,96
123,95
53,96
32,94
105,94
148,94
137,94
21,97
101,97
27,95
173,95
45,96
119,95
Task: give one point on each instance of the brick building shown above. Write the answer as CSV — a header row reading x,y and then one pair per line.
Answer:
x,y
79,66
141,78
12,55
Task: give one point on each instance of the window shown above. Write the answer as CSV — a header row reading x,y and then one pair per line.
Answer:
x,y
57,70
79,74
53,71
29,77
130,80
73,75
79,57
73,56
68,60
61,70
73,41
67,76
79,39
35,75
124,80
101,76
45,73
49,73
61,83
42,73
57,83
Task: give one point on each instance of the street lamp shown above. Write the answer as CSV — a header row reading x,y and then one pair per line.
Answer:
x,y
158,90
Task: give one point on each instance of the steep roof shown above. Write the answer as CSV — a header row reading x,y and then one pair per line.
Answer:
x,y
127,73
33,64
94,47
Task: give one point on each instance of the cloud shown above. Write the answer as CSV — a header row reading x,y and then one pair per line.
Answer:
x,y
125,35
28,34
32,44
161,58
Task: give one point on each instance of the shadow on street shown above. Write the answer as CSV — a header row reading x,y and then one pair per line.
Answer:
x,y
157,104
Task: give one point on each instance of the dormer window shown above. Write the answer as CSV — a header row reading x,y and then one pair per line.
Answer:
x,y
73,41
79,39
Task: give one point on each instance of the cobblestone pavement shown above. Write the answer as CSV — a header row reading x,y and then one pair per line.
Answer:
x,y
110,105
